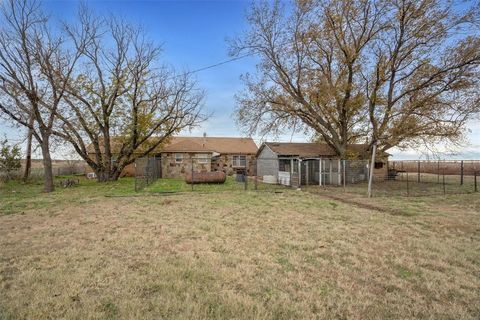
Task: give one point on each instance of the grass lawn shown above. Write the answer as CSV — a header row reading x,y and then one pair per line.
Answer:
x,y
101,251
179,185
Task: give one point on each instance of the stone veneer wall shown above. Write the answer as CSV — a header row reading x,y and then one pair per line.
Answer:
x,y
224,163
172,169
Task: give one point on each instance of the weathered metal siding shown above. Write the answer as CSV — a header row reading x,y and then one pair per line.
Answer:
x,y
267,163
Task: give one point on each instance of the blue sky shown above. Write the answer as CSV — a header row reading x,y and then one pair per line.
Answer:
x,y
194,35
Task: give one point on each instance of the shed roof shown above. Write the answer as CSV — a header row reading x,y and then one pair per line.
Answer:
x,y
306,150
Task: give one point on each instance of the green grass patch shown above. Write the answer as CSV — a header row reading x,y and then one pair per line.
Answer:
x,y
17,197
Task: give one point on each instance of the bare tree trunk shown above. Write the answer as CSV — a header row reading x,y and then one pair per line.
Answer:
x,y
28,161
47,164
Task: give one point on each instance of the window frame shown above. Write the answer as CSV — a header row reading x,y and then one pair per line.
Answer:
x,y
178,159
202,158
239,158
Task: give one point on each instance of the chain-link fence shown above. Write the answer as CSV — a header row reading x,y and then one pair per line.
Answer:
x,y
406,178
183,172
423,177
147,171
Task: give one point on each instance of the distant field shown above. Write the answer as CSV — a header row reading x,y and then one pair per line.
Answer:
x,y
452,167
102,251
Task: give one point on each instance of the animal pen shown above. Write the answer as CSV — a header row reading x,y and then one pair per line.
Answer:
x,y
297,172
392,178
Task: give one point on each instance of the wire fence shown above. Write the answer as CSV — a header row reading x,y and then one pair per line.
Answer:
x,y
147,171
183,172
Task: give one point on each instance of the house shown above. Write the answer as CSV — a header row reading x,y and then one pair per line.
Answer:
x,y
312,163
230,155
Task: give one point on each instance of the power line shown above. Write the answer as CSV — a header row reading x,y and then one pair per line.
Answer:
x,y
214,65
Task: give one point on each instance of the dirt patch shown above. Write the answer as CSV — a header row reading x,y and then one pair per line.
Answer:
x,y
353,200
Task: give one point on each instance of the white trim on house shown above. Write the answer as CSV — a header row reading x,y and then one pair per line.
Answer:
x,y
237,163
202,158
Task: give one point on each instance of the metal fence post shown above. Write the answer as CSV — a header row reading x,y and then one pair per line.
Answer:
x,y
418,173
444,190
370,170
461,173
408,189
245,177
475,180
191,157
135,166
438,171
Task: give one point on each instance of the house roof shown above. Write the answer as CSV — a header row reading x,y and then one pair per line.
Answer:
x,y
223,145
212,144
306,150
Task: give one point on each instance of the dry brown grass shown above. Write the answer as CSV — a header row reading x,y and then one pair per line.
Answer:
x,y
240,255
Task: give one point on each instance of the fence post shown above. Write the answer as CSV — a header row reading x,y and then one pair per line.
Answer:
x,y
461,173
245,177
370,170
135,166
438,171
444,190
344,177
191,157
475,180
418,173
154,168
408,189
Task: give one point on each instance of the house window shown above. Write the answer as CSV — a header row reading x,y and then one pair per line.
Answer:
x,y
239,161
284,165
178,157
202,158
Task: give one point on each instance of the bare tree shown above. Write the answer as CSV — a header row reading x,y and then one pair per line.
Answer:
x,y
26,96
397,72
121,104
